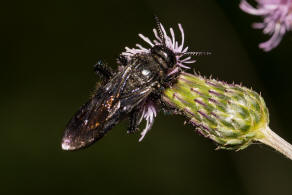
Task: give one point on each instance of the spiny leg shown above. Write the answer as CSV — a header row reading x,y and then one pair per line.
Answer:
x,y
135,103
135,120
168,109
102,70
122,60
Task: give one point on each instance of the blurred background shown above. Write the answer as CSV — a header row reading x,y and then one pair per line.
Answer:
x,y
48,49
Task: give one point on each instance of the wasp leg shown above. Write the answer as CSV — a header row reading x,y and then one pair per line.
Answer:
x,y
102,70
135,120
122,60
136,115
170,80
168,109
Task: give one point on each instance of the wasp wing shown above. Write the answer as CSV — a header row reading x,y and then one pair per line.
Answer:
x,y
102,112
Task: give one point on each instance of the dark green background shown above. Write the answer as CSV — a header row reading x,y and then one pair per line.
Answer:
x,y
48,49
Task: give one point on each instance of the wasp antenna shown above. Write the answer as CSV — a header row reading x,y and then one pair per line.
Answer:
x,y
195,53
161,35
200,53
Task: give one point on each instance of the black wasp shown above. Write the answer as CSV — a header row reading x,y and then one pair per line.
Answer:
x,y
132,91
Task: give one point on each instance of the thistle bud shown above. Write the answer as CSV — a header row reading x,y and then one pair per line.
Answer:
x,y
231,115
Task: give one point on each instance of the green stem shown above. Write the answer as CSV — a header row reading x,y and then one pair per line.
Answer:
x,y
275,141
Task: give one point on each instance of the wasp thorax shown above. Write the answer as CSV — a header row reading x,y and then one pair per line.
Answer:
x,y
163,56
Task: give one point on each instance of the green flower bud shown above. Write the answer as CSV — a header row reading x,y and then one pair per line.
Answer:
x,y
231,115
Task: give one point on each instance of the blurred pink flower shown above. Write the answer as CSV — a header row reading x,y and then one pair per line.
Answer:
x,y
277,19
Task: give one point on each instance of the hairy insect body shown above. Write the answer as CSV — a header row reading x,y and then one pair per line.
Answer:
x,y
144,73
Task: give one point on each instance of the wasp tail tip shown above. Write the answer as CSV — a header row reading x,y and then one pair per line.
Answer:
x,y
66,145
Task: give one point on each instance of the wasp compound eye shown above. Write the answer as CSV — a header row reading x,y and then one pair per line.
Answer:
x,y
164,56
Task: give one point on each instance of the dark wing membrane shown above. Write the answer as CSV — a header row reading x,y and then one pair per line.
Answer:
x,y
102,112
85,126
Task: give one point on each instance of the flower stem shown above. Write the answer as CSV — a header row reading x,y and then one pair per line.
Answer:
x,y
275,141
